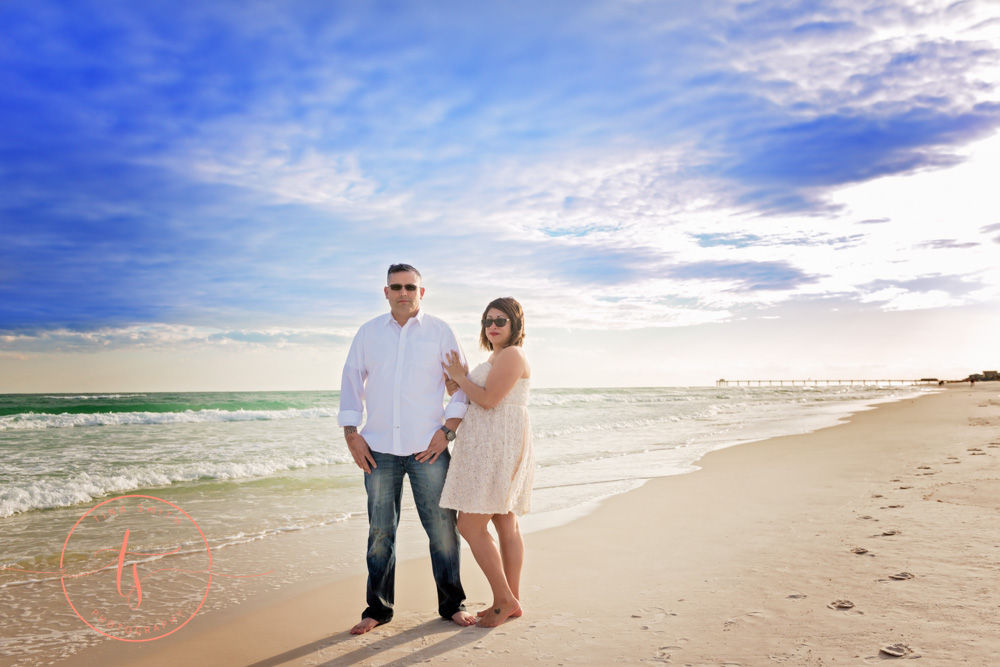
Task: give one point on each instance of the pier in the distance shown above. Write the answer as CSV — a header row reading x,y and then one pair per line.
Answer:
x,y
792,383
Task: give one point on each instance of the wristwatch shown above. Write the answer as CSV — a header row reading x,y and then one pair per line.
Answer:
x,y
449,435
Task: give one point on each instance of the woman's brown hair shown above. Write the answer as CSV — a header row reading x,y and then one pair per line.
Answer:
x,y
512,309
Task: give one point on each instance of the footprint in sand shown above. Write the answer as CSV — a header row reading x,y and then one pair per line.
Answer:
x,y
905,487
861,551
665,653
890,533
793,658
896,650
902,576
841,605
739,620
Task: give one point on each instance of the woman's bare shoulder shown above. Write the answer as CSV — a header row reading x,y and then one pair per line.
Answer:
x,y
512,352
514,356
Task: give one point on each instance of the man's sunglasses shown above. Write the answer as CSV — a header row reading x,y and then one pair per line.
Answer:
x,y
499,321
409,288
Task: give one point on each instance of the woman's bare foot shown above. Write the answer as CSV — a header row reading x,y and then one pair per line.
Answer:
x,y
463,618
498,614
366,625
489,610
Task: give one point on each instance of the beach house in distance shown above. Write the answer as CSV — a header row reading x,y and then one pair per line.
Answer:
x,y
985,376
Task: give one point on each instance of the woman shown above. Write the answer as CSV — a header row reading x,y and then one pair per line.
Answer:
x,y
492,465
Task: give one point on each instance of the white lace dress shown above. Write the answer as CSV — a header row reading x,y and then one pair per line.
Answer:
x,y
492,463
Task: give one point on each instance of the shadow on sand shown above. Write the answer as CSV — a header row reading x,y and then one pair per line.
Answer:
x,y
439,635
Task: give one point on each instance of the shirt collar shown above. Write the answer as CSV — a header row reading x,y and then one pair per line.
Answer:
x,y
419,317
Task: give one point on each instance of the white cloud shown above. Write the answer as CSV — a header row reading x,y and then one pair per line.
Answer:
x,y
894,53
168,337
900,299
642,212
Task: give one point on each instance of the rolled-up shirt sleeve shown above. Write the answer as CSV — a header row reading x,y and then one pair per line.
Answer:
x,y
459,403
352,385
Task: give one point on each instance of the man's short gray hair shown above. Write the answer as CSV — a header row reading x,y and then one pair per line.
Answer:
x,y
401,268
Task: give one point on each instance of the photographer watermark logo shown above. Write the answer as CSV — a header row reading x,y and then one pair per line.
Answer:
x,y
136,568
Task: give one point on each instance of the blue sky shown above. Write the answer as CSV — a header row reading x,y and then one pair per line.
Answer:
x,y
206,195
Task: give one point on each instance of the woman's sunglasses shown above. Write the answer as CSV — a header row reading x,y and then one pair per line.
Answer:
x,y
499,321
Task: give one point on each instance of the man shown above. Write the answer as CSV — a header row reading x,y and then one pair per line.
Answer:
x,y
394,369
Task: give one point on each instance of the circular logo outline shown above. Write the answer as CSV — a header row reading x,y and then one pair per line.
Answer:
x,y
62,556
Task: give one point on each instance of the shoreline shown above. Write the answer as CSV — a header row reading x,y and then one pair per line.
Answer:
x,y
734,562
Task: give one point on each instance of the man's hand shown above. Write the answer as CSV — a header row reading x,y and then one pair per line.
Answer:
x,y
358,446
439,443
450,385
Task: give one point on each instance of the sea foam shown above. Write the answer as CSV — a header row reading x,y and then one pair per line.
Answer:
x,y
83,487
35,421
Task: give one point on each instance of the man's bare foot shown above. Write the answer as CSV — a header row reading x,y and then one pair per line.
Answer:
x,y
366,625
498,614
489,610
463,618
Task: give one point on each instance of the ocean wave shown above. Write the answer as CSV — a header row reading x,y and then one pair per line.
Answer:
x,y
563,398
37,421
242,537
540,399
95,397
605,426
49,493
710,412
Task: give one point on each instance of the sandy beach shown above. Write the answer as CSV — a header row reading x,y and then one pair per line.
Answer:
x,y
816,549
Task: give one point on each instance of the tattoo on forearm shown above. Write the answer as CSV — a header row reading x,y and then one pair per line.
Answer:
x,y
348,430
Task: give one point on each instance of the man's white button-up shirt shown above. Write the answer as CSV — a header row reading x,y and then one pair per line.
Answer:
x,y
395,372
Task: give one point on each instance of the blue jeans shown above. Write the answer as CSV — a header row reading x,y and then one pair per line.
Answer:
x,y
385,490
